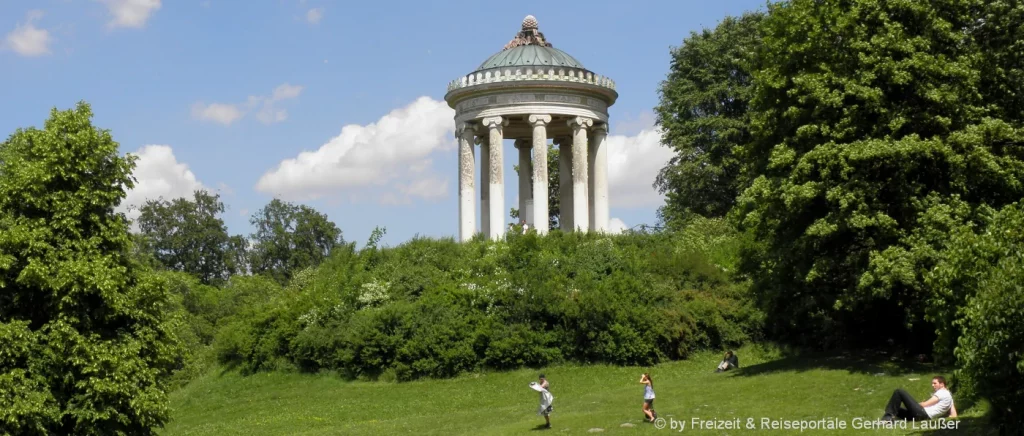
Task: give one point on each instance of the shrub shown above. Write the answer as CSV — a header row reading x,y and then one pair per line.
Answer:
x,y
436,308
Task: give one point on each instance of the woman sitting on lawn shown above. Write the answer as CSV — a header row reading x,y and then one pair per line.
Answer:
x,y
730,361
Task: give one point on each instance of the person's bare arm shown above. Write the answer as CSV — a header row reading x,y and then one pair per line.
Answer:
x,y
930,401
952,410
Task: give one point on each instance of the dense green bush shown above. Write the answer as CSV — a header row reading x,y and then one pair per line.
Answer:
x,y
979,303
436,308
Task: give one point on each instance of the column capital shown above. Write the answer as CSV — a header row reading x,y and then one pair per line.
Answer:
x,y
494,122
463,129
523,143
600,128
539,120
580,122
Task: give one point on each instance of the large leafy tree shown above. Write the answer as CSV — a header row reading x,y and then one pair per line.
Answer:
x,y
188,235
875,127
704,114
85,343
289,238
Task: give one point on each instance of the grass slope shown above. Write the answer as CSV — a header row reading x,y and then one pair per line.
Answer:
x,y
586,397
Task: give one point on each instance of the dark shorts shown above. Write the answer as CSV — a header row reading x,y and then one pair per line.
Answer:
x,y
548,411
649,402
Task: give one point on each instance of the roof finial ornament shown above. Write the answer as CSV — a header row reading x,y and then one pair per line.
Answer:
x,y
529,22
529,35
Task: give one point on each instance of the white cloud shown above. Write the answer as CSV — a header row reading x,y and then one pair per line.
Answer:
x,y
633,164
130,13
627,125
267,113
391,157
158,174
616,226
27,39
314,15
217,112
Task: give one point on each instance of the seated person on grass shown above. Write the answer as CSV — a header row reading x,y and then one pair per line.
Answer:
x,y
730,361
940,404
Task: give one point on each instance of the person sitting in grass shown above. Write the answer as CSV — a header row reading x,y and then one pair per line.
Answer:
x,y
940,404
730,361
648,406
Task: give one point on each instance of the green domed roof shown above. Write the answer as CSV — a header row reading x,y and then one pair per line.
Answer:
x,y
530,55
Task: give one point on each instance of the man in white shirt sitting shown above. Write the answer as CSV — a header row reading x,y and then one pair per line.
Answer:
x,y
940,404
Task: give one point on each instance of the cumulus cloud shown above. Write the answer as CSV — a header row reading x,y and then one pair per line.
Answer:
x,y
389,160
266,107
389,157
158,174
629,125
633,164
27,39
616,226
314,15
130,13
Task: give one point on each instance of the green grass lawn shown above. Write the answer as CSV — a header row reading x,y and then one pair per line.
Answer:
x,y
835,387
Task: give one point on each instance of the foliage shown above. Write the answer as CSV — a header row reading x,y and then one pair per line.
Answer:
x,y
868,120
187,235
290,238
704,114
88,345
437,308
987,321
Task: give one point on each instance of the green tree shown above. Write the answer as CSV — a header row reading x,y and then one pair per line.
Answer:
x,y
553,195
704,114
87,346
290,238
189,236
870,119
980,308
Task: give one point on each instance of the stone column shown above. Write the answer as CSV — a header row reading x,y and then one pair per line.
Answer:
x,y
598,177
485,180
540,172
565,203
467,194
525,173
495,128
580,211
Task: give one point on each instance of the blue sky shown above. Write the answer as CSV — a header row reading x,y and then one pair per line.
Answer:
x,y
216,94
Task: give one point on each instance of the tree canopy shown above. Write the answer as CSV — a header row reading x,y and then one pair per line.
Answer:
x,y
189,236
858,136
290,238
87,345
704,113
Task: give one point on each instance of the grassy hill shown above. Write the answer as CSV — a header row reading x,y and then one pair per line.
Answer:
x,y
770,385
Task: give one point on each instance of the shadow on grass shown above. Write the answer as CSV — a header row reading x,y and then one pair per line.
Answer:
x,y
541,427
862,362
229,367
